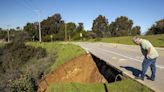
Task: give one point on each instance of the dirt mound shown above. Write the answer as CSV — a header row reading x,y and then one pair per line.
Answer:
x,y
81,69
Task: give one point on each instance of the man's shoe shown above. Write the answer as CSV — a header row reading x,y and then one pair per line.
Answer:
x,y
152,79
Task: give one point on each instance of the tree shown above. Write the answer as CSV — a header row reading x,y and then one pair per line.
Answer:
x,y
112,28
51,25
91,35
100,26
157,28
122,26
79,30
61,34
18,28
32,30
53,28
71,29
80,27
56,22
136,30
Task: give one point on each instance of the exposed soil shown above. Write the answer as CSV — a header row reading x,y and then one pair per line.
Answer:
x,y
81,69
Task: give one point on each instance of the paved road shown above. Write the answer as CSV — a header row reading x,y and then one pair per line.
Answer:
x,y
128,59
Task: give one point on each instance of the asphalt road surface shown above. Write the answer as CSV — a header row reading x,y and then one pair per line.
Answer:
x,y
128,59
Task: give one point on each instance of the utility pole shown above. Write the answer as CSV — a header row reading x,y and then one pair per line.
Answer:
x,y
65,31
40,34
8,34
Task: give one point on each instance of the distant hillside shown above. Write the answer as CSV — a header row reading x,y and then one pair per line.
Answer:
x,y
156,40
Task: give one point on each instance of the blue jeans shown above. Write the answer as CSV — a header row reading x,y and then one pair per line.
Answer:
x,y
145,64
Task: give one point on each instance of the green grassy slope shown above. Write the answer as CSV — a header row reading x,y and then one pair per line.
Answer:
x,y
64,52
75,87
126,85
156,40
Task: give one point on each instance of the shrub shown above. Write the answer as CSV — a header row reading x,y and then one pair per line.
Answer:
x,y
22,65
22,84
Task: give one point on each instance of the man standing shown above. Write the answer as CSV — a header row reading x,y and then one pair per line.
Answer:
x,y
150,54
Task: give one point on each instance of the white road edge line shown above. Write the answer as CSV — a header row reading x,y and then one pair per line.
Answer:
x,y
159,66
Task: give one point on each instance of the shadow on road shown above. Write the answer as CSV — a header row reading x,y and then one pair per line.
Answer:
x,y
135,72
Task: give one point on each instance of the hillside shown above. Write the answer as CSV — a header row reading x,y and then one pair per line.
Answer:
x,y
156,40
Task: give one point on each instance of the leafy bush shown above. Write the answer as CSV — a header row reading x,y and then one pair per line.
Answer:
x,y
17,54
97,39
38,68
46,38
22,65
22,84
30,75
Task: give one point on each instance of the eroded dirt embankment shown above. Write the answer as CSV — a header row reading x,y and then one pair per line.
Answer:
x,y
81,69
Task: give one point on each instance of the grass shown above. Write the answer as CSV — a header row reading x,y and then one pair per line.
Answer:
x,y
64,52
126,85
2,44
156,40
75,87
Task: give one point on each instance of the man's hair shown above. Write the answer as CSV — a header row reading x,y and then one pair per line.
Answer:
x,y
135,38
